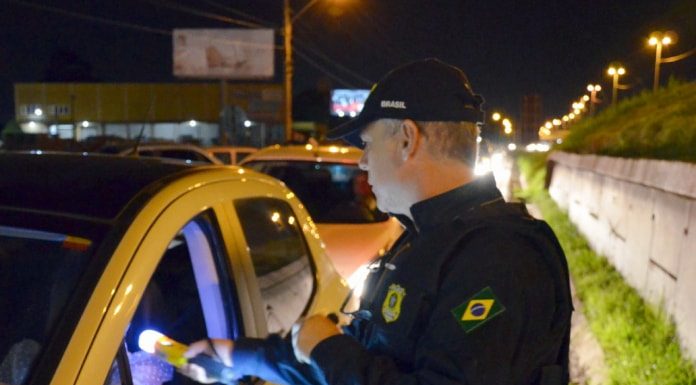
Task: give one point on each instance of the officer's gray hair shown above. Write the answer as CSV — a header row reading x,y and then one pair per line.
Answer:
x,y
455,140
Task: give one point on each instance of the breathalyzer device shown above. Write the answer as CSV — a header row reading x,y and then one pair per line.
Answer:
x,y
171,351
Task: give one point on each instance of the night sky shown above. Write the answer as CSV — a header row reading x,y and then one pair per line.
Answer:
x,y
507,48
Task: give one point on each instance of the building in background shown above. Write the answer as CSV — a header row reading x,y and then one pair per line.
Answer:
x,y
252,114
532,118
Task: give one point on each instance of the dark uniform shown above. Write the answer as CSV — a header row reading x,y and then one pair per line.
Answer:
x,y
475,292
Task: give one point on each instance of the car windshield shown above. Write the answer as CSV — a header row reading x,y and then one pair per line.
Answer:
x,y
38,272
332,192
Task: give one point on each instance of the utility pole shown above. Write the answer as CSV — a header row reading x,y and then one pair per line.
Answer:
x,y
287,38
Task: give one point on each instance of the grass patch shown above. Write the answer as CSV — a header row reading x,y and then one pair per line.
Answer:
x,y
639,341
659,125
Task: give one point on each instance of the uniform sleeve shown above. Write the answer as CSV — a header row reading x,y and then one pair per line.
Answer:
x,y
273,360
498,348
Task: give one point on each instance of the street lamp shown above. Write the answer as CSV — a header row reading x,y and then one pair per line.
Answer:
x,y
658,39
593,88
615,72
508,126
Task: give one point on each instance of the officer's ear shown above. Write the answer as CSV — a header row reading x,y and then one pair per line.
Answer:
x,y
411,139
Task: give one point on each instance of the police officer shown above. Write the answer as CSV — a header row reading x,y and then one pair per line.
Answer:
x,y
474,292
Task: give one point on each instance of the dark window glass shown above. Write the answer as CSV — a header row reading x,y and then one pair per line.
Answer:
x,y
184,155
38,274
187,298
280,258
332,192
241,155
224,157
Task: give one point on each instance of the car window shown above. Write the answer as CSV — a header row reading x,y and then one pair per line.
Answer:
x,y
184,155
38,272
224,156
332,192
280,257
241,155
188,297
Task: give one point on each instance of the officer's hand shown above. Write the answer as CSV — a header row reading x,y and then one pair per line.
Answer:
x,y
308,333
219,349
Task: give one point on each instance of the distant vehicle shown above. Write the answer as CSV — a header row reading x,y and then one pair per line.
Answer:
x,y
184,152
230,154
95,249
335,191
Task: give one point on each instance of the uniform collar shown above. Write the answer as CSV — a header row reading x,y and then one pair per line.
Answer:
x,y
443,208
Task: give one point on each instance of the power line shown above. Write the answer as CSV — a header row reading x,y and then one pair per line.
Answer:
x,y
207,15
83,16
339,66
318,66
240,13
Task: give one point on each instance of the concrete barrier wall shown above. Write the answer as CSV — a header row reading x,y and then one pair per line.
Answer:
x,y
641,215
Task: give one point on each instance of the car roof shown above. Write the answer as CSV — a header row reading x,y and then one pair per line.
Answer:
x,y
308,152
68,182
231,148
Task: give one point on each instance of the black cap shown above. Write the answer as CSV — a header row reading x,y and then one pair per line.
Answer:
x,y
426,90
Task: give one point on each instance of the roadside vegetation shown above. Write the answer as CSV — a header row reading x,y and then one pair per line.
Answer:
x,y
658,125
639,341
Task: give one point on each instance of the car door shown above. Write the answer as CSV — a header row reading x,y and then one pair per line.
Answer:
x,y
195,271
141,287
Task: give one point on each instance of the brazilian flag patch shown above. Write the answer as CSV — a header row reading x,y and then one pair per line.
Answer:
x,y
478,310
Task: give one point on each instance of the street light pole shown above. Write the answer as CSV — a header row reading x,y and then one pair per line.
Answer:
x,y
615,73
656,76
593,88
658,39
287,38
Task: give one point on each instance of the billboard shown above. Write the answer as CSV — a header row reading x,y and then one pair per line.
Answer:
x,y
347,102
223,53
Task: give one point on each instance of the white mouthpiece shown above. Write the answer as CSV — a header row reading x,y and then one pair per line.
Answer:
x,y
148,339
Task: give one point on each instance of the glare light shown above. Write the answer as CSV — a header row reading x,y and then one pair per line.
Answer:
x,y
333,149
291,220
275,217
353,114
653,40
495,116
38,112
32,125
585,98
666,40
506,122
479,139
565,118
148,339
556,122
192,123
621,71
247,123
85,124
308,147
512,147
508,130
611,71
571,116
559,140
340,114
548,125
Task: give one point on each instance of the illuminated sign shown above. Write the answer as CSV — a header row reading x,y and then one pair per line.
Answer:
x,y
347,103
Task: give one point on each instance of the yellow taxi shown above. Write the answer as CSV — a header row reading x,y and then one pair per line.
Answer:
x,y
335,191
96,249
